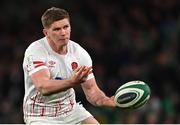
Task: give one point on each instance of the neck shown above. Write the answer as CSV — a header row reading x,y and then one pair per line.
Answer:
x,y
60,49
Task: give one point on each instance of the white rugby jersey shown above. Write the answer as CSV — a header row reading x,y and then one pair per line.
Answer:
x,y
39,55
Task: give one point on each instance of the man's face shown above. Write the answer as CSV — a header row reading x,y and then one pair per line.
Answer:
x,y
59,32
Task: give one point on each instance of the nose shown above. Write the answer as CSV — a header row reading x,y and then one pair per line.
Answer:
x,y
63,32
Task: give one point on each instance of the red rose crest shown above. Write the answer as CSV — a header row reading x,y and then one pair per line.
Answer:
x,y
74,65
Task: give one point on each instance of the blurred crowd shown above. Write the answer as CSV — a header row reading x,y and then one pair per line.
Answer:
x,y
127,40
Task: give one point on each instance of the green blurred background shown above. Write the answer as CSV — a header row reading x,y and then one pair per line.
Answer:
x,y
127,40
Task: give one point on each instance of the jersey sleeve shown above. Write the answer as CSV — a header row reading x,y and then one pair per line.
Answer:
x,y
34,59
85,60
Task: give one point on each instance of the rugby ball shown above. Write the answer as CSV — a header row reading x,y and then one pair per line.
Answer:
x,y
132,95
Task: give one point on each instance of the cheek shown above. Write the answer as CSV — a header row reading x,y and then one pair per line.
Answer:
x,y
53,35
69,32
49,34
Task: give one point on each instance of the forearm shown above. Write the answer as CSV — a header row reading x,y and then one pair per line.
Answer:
x,y
98,98
95,95
46,86
53,86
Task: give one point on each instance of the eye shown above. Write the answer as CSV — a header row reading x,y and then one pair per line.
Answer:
x,y
56,29
66,26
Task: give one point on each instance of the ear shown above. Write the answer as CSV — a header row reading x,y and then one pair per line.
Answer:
x,y
45,32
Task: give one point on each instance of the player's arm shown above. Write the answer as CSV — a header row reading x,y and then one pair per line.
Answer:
x,y
41,80
96,96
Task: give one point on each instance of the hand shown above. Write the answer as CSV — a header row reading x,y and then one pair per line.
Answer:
x,y
109,102
81,74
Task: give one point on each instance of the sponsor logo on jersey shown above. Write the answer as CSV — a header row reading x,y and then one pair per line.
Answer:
x,y
51,63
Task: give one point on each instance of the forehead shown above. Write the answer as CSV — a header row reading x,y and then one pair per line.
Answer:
x,y
60,23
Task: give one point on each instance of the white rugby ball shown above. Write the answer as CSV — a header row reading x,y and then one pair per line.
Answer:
x,y
132,95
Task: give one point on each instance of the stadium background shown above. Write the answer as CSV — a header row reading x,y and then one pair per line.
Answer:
x,y
127,40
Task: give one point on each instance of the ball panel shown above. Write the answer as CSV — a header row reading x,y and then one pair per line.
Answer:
x,y
132,95
127,97
141,103
132,101
146,94
128,84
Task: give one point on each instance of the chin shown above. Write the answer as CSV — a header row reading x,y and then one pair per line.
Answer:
x,y
64,42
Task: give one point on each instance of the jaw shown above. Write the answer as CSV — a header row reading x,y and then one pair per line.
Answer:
x,y
61,46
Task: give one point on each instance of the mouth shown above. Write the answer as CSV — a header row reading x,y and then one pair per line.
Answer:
x,y
63,39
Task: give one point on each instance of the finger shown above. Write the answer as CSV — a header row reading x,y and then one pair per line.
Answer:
x,y
112,97
80,70
87,71
90,71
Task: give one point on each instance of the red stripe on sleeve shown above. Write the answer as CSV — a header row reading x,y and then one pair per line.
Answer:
x,y
39,65
37,62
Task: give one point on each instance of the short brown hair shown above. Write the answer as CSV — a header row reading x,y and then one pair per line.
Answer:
x,y
53,14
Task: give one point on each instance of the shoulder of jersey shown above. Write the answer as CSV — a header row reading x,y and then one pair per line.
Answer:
x,y
74,47
38,44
